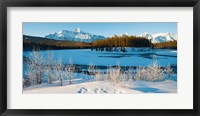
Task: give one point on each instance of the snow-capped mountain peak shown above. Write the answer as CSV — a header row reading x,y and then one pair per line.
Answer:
x,y
159,37
76,35
78,30
125,34
146,35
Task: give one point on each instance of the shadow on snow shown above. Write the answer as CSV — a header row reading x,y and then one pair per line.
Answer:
x,y
149,90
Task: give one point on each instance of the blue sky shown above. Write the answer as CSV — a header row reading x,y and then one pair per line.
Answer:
x,y
106,29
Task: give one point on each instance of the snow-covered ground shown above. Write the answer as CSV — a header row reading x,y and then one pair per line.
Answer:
x,y
129,58
99,87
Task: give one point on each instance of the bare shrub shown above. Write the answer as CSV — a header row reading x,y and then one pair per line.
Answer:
x,y
140,73
59,71
35,67
70,69
115,74
154,72
26,82
151,73
49,70
127,77
91,70
99,76
106,76
169,72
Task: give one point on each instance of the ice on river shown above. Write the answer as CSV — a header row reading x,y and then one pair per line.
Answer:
x,y
130,58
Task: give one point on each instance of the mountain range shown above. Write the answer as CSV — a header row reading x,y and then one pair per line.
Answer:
x,y
81,36
76,35
159,37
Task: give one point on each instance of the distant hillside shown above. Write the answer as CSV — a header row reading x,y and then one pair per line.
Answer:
x,y
30,42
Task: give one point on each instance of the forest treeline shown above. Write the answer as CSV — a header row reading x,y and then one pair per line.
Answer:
x,y
30,42
166,45
122,42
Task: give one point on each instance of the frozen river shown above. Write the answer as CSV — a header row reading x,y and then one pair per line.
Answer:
x,y
86,56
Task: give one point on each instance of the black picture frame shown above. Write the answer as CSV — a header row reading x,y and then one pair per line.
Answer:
x,y
100,3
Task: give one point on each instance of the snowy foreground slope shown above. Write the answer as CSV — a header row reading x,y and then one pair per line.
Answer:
x,y
103,87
